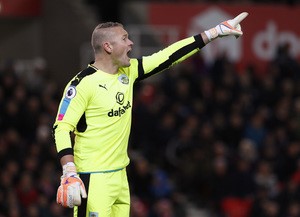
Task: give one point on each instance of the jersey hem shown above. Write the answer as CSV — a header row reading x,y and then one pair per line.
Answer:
x,y
102,171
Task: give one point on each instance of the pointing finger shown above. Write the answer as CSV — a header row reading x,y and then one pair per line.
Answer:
x,y
239,18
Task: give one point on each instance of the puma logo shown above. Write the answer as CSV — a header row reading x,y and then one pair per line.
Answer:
x,y
103,86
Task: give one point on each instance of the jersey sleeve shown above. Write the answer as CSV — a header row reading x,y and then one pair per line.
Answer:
x,y
173,54
71,108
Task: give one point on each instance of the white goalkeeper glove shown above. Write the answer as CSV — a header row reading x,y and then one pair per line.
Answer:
x,y
71,187
229,27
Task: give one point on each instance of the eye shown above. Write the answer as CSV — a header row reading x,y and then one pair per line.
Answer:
x,y
125,37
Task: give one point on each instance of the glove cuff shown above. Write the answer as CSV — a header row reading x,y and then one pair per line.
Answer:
x,y
69,169
211,34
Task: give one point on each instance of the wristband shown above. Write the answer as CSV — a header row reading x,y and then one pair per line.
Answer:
x,y
211,34
69,169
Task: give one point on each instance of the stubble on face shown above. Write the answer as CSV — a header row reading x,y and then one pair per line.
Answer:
x,y
119,41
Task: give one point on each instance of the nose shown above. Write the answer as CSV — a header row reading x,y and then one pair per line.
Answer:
x,y
130,42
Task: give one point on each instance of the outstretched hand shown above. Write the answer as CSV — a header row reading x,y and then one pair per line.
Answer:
x,y
233,27
228,27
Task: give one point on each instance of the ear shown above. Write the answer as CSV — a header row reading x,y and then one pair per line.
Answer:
x,y
107,47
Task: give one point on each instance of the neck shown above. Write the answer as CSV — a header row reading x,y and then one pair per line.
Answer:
x,y
105,66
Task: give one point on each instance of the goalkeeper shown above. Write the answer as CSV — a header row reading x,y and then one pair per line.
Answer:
x,y
97,105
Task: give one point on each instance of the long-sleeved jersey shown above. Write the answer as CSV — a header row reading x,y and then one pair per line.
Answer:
x,y
97,107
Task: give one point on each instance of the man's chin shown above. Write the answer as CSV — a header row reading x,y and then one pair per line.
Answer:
x,y
127,64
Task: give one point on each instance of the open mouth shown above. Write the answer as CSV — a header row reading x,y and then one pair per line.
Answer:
x,y
128,52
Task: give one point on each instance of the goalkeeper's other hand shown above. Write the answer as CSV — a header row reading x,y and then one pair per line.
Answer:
x,y
229,27
71,187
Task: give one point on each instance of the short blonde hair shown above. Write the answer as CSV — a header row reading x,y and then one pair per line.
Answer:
x,y
98,36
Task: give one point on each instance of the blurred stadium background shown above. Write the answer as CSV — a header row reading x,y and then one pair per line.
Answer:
x,y
217,136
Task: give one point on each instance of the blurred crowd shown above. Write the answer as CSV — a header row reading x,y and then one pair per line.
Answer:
x,y
30,173
224,139
206,138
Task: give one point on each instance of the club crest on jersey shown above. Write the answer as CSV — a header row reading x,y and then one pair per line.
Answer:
x,y
123,79
71,92
93,214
